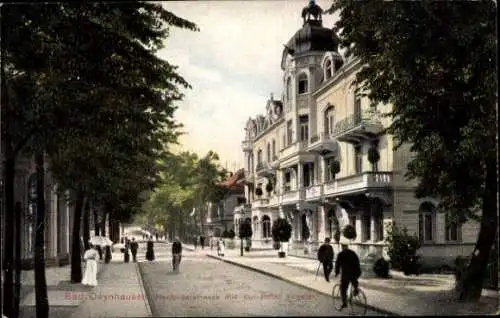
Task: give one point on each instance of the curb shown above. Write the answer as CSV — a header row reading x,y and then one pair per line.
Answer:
x,y
148,293
143,290
383,311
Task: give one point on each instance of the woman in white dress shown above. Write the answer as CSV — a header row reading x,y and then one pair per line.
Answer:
x,y
220,247
90,276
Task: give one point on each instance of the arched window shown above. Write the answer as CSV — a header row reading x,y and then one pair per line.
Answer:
x,y
329,120
274,149
289,89
266,226
268,152
426,221
328,69
303,84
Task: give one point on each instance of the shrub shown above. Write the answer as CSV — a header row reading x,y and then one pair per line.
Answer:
x,y
225,234
231,234
281,230
269,187
401,247
349,232
381,268
245,230
258,192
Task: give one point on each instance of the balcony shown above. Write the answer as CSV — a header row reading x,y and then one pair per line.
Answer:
x,y
358,127
260,203
314,192
323,144
274,200
264,169
247,145
293,149
249,178
292,197
364,181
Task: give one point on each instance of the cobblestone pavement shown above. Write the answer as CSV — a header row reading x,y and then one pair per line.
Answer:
x,y
209,287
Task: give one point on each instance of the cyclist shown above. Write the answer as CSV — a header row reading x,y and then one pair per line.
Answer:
x,y
176,253
347,263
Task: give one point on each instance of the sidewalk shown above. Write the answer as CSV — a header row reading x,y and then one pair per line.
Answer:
x,y
119,293
401,295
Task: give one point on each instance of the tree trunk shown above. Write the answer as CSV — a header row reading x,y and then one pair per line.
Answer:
x,y
96,222
472,283
86,225
8,253
76,257
17,259
42,300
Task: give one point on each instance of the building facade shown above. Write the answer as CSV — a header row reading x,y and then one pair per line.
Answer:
x,y
320,158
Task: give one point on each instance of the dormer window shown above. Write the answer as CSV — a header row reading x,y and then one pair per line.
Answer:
x,y
303,84
328,69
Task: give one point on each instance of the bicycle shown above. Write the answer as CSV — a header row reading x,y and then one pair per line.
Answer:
x,y
357,303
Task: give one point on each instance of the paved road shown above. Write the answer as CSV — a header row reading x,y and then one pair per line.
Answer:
x,y
208,287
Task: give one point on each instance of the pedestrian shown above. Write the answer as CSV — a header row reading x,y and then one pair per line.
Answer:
x,y
150,253
202,241
90,257
176,254
348,264
195,239
220,247
126,255
325,256
134,246
211,242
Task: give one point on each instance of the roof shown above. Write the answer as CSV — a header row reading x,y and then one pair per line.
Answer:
x,y
232,182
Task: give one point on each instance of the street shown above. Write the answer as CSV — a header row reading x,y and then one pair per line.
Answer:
x,y
208,287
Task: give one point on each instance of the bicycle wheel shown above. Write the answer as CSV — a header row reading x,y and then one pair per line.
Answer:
x,y
337,298
357,302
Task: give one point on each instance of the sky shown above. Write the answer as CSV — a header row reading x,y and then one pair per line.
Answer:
x,y
232,64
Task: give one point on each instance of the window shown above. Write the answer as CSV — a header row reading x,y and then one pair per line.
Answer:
x,y
303,84
268,152
331,224
328,69
378,216
329,120
307,173
365,224
352,220
266,226
328,173
358,159
304,128
453,230
289,132
426,220
274,148
259,156
283,142
289,89
357,108
287,181
255,226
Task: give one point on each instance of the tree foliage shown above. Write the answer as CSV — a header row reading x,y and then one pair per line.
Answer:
x,y
435,63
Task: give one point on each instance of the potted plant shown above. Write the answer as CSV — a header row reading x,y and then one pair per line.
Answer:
x,y
373,157
349,232
281,232
258,192
245,233
269,187
335,167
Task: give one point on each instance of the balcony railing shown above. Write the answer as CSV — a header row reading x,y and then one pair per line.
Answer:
x,y
265,169
314,192
293,148
292,196
259,203
323,143
367,122
358,182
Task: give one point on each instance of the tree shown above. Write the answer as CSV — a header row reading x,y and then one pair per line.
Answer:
x,y
281,231
245,232
435,63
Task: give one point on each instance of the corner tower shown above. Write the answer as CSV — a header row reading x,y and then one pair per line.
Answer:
x,y
303,72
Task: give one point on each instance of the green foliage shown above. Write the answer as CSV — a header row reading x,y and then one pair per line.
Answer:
x,y
258,192
245,230
401,246
435,62
381,268
281,230
349,232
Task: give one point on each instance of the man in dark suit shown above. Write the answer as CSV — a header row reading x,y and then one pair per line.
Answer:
x,y
134,246
325,256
